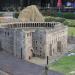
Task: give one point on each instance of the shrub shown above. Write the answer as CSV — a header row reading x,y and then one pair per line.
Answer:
x,y
70,23
58,19
49,19
54,13
69,15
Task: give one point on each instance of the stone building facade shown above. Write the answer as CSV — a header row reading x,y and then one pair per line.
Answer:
x,y
47,42
27,40
16,41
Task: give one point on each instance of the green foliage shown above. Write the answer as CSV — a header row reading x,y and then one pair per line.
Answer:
x,y
54,13
69,22
56,19
71,31
69,15
49,19
16,14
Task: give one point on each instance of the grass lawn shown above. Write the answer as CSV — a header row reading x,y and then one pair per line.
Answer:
x,y
65,65
71,31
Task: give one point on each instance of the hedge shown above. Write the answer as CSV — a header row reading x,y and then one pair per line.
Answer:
x,y
69,15
56,19
70,23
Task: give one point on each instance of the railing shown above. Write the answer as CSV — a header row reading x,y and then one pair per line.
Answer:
x,y
29,24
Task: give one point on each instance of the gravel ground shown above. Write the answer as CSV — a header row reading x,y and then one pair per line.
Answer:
x,y
15,66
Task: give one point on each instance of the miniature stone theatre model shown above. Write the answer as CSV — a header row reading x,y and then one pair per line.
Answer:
x,y
30,36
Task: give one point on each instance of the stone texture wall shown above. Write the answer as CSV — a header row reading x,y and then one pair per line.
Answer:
x,y
18,42
23,43
28,44
6,38
40,42
50,41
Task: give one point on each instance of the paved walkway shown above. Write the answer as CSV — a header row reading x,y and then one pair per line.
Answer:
x,y
38,61
14,66
43,62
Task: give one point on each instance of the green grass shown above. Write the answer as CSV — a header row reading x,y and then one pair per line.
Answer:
x,y
65,65
71,31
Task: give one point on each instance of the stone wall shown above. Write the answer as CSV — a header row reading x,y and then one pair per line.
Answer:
x,y
18,42
40,42
49,41
28,51
23,44
52,40
6,38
